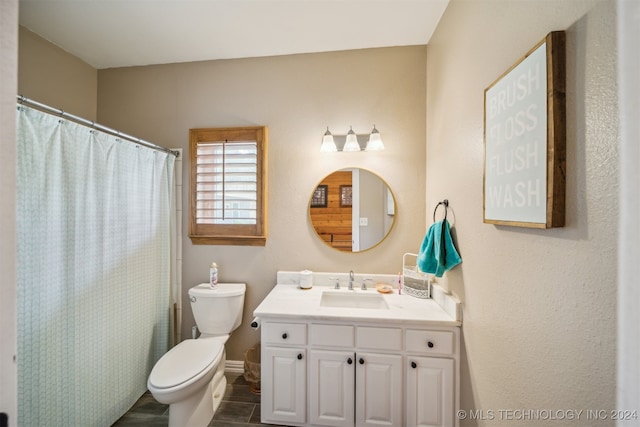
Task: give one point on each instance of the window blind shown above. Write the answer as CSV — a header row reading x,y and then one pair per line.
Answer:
x,y
226,182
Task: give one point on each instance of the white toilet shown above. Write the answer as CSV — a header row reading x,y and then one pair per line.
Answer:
x,y
190,376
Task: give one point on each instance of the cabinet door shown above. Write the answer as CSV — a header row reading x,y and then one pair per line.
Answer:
x,y
378,389
284,385
331,387
430,394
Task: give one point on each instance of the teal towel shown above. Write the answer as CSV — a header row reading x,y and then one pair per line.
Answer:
x,y
437,253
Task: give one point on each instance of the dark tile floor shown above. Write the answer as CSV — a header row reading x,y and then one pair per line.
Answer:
x,y
239,407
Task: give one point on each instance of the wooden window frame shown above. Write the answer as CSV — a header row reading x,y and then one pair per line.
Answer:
x,y
225,234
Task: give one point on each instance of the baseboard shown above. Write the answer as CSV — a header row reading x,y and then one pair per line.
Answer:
x,y
234,366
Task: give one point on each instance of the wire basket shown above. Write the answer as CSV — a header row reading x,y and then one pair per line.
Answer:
x,y
414,282
252,368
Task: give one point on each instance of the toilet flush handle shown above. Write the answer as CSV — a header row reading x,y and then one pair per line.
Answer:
x,y
193,299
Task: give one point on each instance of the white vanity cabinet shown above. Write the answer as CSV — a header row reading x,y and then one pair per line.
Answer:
x,y
331,387
342,357
378,390
332,363
370,374
284,373
361,388
430,393
349,384
379,376
432,381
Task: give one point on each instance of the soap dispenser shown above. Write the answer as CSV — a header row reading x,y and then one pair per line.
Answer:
x,y
213,275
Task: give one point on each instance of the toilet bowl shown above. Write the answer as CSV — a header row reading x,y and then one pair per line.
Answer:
x,y
190,377
185,378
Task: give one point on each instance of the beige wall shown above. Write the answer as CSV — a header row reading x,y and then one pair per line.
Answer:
x,y
56,78
296,96
8,85
539,317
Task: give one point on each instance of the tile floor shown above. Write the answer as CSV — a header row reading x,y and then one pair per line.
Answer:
x,y
239,407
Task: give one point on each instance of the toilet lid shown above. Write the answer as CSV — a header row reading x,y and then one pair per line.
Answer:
x,y
224,290
184,361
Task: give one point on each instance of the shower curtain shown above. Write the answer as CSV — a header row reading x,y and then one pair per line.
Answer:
x,y
95,266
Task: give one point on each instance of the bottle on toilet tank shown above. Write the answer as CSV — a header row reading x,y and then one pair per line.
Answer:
x,y
213,276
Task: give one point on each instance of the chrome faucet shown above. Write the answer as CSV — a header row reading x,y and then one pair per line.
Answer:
x,y
350,280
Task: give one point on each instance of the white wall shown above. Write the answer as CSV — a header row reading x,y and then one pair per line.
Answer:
x,y
8,87
539,306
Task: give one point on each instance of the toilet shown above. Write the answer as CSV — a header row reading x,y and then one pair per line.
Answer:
x,y
190,377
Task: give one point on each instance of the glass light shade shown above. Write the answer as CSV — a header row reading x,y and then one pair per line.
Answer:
x,y
351,144
375,141
328,144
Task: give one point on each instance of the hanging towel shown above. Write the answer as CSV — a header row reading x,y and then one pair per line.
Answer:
x,y
437,253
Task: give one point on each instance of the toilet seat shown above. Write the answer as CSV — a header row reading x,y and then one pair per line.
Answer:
x,y
185,362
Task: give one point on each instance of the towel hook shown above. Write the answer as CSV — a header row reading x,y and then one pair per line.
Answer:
x,y
444,203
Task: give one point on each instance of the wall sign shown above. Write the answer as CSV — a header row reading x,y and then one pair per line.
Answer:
x,y
346,196
524,137
319,197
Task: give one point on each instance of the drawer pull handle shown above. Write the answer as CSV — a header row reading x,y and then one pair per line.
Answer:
x,y
414,365
361,361
349,361
284,336
299,356
430,344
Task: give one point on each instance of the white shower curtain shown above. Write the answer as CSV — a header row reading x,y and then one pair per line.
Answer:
x,y
95,217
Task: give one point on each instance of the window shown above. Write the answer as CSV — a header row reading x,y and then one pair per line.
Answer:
x,y
228,190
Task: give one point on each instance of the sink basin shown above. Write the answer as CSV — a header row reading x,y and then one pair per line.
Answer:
x,y
351,299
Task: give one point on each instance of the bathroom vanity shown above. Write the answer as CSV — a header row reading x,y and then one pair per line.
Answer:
x,y
358,357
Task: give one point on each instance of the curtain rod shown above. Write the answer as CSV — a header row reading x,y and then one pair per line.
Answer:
x,y
94,125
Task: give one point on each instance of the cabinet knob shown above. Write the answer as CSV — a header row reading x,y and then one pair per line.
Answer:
x,y
299,356
430,344
414,365
284,336
349,361
361,361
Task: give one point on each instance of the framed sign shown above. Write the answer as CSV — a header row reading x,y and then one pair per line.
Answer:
x,y
346,196
319,197
524,140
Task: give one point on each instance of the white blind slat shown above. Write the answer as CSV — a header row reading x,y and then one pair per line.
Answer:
x,y
226,182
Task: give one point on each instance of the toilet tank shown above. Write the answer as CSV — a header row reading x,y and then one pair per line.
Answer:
x,y
217,311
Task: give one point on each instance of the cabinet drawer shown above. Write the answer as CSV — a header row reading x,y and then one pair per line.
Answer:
x,y
379,338
331,335
430,342
284,333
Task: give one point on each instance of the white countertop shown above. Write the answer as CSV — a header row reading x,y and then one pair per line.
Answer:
x,y
289,301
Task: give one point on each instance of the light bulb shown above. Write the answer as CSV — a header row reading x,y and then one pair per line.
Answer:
x,y
351,144
375,141
328,144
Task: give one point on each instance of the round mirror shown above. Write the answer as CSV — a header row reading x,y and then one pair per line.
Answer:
x,y
352,210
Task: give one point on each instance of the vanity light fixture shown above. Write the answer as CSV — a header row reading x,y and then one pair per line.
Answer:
x,y
375,141
351,144
351,141
328,144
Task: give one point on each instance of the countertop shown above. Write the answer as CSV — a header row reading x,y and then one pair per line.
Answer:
x,y
289,301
